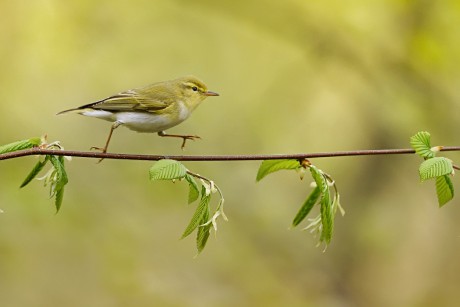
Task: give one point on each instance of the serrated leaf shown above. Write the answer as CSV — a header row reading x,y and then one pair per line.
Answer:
x,y
444,189
20,145
203,232
307,206
58,165
435,167
61,160
270,166
202,237
61,180
193,191
420,142
327,218
167,169
34,172
326,210
35,142
200,211
58,199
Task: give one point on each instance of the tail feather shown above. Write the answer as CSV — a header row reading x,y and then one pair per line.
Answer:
x,y
69,110
84,107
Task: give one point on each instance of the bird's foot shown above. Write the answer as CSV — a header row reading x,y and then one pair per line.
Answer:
x,y
183,137
188,137
102,150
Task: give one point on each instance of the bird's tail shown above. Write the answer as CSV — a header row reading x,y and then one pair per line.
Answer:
x,y
69,110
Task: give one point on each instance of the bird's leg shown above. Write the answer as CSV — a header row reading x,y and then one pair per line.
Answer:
x,y
183,137
115,125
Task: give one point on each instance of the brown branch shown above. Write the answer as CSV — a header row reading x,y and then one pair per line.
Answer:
x,y
121,156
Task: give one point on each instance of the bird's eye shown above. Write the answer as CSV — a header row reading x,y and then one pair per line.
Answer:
x,y
194,88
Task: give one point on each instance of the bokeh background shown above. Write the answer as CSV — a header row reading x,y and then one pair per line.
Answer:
x,y
294,76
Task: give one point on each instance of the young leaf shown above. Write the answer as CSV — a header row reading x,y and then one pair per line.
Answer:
x,y
307,206
193,192
35,171
34,142
444,189
61,180
167,169
327,214
200,211
435,167
20,145
202,236
421,144
203,232
327,217
270,166
59,198
58,164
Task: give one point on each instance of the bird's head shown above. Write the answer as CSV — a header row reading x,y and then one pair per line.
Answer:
x,y
193,90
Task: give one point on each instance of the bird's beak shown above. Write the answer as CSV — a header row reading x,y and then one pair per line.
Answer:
x,y
209,93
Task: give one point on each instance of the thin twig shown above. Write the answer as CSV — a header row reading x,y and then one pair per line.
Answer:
x,y
121,156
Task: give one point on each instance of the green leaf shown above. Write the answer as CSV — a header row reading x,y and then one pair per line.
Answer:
x,y
59,198
201,210
307,206
421,144
435,167
34,172
202,236
167,170
193,192
326,211
34,142
270,166
203,232
444,189
20,145
58,164
61,180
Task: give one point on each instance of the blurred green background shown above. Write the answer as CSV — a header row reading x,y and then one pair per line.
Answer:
x,y
294,76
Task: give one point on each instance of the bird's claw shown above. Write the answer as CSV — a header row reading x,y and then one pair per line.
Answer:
x,y
188,137
102,150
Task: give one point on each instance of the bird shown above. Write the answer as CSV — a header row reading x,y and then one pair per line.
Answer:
x,y
153,108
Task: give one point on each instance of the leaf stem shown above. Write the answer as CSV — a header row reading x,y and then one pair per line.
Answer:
x,y
208,181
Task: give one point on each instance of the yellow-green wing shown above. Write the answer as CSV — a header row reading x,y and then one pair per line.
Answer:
x,y
149,99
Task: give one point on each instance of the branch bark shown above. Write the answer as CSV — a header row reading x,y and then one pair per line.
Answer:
x,y
122,156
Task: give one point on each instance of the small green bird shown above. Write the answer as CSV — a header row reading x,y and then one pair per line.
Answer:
x,y
153,108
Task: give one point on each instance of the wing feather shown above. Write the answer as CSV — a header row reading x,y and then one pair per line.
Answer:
x,y
149,99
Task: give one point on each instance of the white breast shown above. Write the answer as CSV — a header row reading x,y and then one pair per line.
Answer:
x,y
148,122
184,112
142,121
